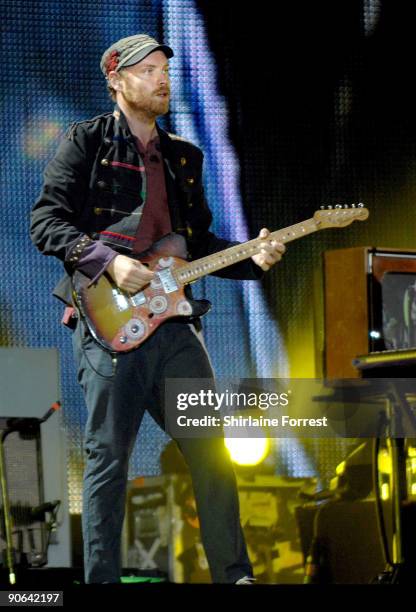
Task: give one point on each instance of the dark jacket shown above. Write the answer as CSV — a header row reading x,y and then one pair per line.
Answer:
x,y
85,197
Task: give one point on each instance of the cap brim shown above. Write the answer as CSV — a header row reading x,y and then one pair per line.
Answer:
x,y
140,55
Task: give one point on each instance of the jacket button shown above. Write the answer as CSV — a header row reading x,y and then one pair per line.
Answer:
x,y
98,211
189,230
190,181
190,204
183,161
107,141
105,162
102,184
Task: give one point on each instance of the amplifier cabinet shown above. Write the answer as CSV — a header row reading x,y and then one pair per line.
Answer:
x,y
369,305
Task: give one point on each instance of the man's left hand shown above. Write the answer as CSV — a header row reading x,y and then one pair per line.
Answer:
x,y
270,252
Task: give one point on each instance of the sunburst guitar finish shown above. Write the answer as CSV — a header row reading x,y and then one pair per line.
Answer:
x,y
120,321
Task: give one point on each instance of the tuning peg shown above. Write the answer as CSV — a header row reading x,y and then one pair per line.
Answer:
x,y
322,207
352,205
360,205
338,205
346,206
329,207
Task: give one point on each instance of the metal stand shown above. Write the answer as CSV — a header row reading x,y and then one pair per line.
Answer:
x,y
6,512
396,406
28,427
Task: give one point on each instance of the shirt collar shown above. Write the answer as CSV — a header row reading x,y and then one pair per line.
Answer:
x,y
165,141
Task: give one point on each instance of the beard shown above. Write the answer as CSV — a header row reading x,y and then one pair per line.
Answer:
x,y
151,105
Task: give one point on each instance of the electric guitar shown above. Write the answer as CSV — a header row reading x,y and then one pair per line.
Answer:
x,y
121,322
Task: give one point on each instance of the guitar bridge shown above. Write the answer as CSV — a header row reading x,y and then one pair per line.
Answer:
x,y
168,281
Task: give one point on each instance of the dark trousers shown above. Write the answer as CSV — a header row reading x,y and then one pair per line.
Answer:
x,y
117,392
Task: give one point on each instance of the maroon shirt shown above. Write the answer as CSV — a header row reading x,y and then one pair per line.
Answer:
x,y
155,221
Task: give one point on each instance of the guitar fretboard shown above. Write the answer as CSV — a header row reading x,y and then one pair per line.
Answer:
x,y
211,263
333,217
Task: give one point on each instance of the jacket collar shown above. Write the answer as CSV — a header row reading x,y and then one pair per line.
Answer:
x,y
121,123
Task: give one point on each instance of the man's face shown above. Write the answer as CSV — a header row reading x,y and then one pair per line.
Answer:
x,y
146,86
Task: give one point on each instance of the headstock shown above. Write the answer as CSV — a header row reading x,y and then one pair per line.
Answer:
x,y
339,215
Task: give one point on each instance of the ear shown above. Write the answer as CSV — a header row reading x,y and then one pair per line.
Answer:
x,y
114,80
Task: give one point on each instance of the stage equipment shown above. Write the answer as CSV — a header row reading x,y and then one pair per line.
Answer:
x,y
34,466
370,305
161,530
354,475
24,527
390,512
400,403
340,541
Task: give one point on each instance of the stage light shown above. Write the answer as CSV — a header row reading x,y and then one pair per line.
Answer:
x,y
385,491
39,137
384,462
385,473
411,474
340,469
248,451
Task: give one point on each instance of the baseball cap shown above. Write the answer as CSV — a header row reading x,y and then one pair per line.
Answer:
x,y
129,51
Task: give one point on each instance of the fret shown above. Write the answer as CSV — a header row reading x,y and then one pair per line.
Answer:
x,y
211,263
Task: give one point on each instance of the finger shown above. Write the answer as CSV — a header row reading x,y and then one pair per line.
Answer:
x,y
272,243
272,250
144,274
276,245
142,268
270,259
265,246
265,267
279,246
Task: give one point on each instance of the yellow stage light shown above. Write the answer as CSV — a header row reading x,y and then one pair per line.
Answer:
x,y
340,469
384,462
248,451
385,491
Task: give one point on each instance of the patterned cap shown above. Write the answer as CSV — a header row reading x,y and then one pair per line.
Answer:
x,y
129,51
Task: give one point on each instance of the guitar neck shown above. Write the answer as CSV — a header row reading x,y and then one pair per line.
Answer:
x,y
217,261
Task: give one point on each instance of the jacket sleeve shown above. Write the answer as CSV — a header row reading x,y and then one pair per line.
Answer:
x,y
54,227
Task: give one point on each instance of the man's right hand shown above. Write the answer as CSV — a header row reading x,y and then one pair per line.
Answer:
x,y
128,274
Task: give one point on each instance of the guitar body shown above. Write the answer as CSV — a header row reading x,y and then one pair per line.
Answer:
x,y
121,322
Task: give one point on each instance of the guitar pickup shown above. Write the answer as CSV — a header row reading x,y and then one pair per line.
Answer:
x,y
139,299
120,300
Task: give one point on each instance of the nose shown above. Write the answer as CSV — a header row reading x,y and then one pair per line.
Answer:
x,y
163,78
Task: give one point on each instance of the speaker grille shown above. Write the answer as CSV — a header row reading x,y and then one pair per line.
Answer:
x,y
22,459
